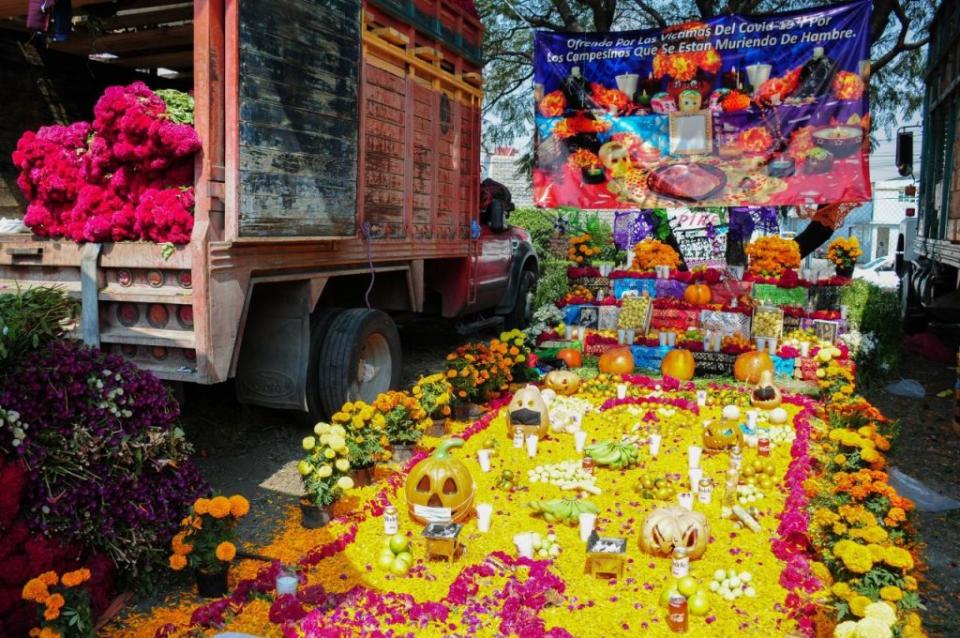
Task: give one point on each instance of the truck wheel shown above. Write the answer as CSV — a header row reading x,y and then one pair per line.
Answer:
x,y
360,358
522,311
319,326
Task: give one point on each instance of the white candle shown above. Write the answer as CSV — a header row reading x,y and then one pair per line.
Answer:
x,y
579,439
631,336
843,312
686,500
286,584
655,440
577,422
524,543
772,343
483,456
701,398
761,344
804,349
587,521
621,336
484,514
752,419
621,390
695,475
693,456
582,331
532,441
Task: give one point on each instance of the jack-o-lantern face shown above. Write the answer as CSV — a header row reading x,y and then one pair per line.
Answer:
x,y
440,481
666,529
720,435
528,409
616,157
562,382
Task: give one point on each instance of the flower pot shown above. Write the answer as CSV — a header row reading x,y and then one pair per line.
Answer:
x,y
845,271
212,585
402,452
439,427
313,516
593,175
362,476
461,411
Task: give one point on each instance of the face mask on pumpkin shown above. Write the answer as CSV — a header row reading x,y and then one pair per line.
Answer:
x,y
527,408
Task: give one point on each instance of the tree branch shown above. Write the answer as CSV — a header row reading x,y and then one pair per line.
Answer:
x,y
653,14
901,45
521,82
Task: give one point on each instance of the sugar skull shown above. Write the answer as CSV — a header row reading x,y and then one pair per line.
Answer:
x,y
616,157
690,100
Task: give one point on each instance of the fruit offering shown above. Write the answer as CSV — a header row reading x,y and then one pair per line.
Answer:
x,y
563,510
759,473
545,546
395,556
507,481
635,313
767,322
698,602
730,585
747,494
656,487
567,475
613,455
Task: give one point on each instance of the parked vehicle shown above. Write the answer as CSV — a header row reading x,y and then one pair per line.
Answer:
x,y
339,186
879,271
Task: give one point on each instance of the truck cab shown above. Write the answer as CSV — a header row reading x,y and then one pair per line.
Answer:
x,y
338,188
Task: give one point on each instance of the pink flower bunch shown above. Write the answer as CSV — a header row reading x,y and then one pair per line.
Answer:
x,y
682,404
126,176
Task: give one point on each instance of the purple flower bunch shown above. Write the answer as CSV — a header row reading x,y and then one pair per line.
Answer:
x,y
108,468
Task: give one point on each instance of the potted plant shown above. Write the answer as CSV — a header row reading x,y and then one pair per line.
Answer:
x,y
325,473
205,542
844,252
405,422
434,394
366,436
63,606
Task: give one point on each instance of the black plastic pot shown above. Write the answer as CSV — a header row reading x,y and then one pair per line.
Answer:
x,y
313,516
212,585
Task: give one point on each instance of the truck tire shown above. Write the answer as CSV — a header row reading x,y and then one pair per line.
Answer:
x,y
319,326
360,358
522,311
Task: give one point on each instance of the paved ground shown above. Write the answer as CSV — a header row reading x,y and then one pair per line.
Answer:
x,y
254,451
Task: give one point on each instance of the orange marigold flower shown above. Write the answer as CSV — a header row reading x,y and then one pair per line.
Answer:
x,y
56,601
201,506
226,551
177,562
219,507
35,590
239,506
51,613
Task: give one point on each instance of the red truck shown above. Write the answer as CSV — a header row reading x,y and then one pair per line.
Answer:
x,y
338,187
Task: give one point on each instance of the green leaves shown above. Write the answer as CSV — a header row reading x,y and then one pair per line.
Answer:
x,y
29,318
179,105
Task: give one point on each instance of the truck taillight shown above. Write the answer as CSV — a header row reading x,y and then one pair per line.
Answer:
x,y
159,352
128,314
124,278
185,316
910,212
185,279
155,278
128,350
158,316
189,354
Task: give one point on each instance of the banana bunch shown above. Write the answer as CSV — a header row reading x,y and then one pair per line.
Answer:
x,y
562,510
614,455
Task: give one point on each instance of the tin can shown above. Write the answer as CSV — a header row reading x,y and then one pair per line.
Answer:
x,y
680,565
391,521
763,446
736,457
677,619
587,464
518,437
705,492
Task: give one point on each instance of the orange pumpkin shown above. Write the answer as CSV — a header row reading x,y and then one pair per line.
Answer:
x,y
616,361
571,356
679,364
697,294
440,484
750,365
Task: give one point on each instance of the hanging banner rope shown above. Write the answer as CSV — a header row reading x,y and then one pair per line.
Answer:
x,y
732,111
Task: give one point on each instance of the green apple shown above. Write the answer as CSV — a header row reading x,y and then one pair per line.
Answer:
x,y
399,543
385,559
698,604
406,556
668,590
687,586
399,567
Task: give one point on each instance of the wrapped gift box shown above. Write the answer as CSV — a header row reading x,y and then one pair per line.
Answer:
x,y
571,314
725,322
609,317
714,364
726,291
782,367
669,288
549,349
808,369
675,318
648,358
597,349
594,284
621,286
770,294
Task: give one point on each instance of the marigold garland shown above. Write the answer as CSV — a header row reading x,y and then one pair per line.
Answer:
x,y
650,253
771,256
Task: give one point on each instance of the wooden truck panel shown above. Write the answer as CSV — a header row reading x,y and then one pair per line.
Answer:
x,y
298,115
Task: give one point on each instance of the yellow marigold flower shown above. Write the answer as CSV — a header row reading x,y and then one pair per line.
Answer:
x,y
822,573
891,593
883,611
858,605
226,551
201,506
898,557
841,591
910,583
239,506
869,455
219,507
177,562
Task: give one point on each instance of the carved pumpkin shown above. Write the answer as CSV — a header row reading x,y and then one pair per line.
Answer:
x,y
571,356
720,435
616,361
748,366
765,395
442,482
667,528
529,410
562,382
697,294
679,364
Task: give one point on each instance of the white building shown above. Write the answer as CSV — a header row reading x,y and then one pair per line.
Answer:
x,y
501,166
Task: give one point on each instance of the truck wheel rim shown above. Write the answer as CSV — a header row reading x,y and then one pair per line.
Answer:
x,y
375,367
528,308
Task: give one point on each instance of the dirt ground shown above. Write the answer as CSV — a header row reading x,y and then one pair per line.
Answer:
x,y
254,451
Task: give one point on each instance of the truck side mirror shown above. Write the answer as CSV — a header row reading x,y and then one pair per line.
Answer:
x,y
497,216
905,153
